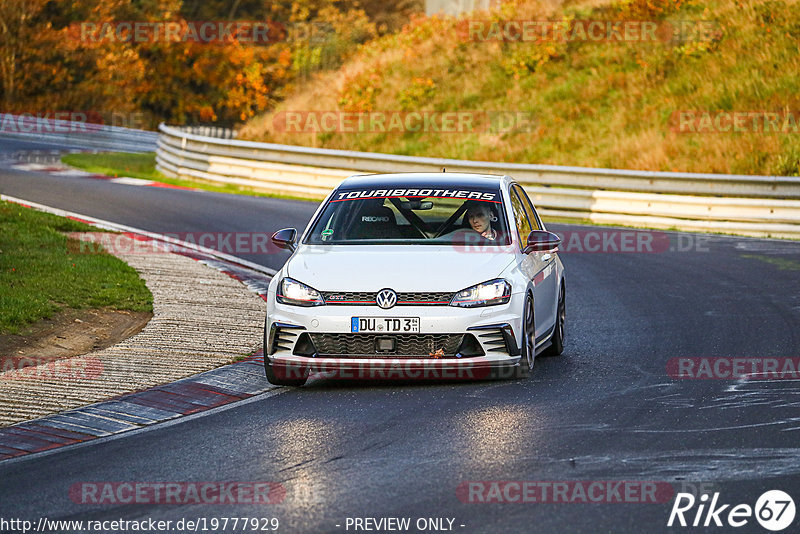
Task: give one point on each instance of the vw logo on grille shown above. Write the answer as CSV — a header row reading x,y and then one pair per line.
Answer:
x,y
386,298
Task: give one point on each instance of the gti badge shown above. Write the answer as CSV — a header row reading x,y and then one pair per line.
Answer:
x,y
386,298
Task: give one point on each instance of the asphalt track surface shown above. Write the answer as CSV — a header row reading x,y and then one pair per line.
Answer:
x,y
605,410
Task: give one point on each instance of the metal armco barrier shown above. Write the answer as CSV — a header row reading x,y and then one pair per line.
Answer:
x,y
211,131
77,134
764,206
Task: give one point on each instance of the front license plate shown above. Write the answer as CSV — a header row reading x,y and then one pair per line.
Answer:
x,y
385,325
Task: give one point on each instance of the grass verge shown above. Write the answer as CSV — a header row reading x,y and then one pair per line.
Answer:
x,y
143,166
42,272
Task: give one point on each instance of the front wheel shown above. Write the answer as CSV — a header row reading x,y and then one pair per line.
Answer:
x,y
559,333
528,351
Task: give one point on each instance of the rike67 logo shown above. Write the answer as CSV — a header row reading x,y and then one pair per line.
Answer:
x,y
774,511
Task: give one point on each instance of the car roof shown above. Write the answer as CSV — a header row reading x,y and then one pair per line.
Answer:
x,y
423,179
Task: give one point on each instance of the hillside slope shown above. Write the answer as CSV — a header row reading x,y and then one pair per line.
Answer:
x,y
609,103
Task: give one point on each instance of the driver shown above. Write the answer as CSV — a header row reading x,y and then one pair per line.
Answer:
x,y
481,217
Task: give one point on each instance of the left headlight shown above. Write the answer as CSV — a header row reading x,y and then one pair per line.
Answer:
x,y
292,292
486,294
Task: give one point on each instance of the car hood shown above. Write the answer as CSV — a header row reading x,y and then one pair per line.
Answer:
x,y
399,267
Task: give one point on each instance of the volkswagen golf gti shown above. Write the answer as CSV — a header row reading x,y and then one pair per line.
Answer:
x,y
416,276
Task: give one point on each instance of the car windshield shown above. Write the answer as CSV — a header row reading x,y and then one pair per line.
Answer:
x,y
398,215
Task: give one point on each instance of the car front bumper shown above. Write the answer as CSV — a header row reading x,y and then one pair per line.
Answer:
x,y
496,329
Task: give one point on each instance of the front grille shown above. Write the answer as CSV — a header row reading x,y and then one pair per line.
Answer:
x,y
406,345
362,298
349,297
424,298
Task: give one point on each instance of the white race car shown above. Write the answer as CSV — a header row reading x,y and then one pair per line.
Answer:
x,y
416,276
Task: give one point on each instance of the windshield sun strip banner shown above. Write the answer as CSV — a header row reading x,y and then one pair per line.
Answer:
x,y
465,194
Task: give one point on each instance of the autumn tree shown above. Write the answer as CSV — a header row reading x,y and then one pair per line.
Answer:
x,y
48,61
17,32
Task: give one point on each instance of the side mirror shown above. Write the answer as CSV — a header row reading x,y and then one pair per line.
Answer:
x,y
285,238
541,241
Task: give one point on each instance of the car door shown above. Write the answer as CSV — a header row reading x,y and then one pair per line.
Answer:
x,y
529,264
544,276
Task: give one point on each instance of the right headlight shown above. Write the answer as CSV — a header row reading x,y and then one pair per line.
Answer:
x,y
488,293
290,291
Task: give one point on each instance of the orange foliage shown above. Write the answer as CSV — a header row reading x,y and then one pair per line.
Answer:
x,y
49,61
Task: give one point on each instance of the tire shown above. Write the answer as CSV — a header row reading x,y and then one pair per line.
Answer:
x,y
528,349
279,379
559,332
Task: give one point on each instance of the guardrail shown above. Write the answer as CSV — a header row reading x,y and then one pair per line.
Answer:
x,y
211,131
765,206
76,134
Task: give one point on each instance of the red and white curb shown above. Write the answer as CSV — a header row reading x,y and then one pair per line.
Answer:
x,y
205,391
49,163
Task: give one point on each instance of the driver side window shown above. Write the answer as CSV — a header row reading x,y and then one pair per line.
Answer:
x,y
520,219
533,217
